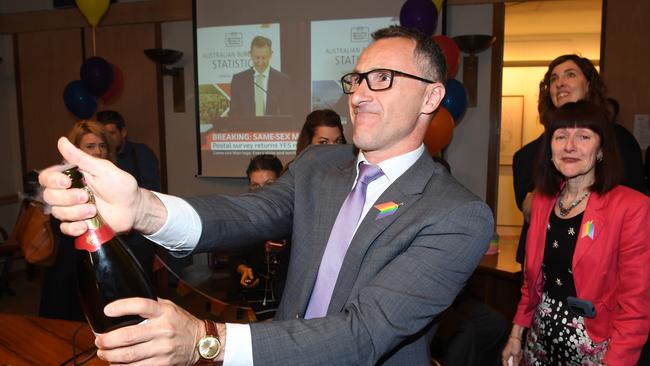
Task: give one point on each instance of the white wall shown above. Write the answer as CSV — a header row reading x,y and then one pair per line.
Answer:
x,y
468,152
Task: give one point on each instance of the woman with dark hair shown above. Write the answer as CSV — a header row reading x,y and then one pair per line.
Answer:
x,y
322,126
569,78
586,290
269,266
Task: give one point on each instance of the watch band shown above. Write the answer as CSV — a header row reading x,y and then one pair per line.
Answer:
x,y
210,331
211,328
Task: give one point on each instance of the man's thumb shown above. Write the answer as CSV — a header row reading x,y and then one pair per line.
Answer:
x,y
74,156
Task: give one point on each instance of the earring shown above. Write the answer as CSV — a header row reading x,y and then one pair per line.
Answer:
x,y
599,158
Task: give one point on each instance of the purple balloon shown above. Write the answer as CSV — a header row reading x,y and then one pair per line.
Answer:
x,y
419,14
96,75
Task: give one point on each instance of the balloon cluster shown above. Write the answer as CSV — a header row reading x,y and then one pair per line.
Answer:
x,y
423,16
98,78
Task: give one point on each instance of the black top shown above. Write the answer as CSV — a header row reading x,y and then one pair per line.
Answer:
x,y
561,239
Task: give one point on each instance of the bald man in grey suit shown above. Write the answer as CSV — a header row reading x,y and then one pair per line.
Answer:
x,y
419,238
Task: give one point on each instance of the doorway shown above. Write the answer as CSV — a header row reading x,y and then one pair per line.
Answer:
x,y
535,33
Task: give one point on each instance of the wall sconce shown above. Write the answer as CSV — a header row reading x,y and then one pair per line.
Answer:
x,y
164,57
472,44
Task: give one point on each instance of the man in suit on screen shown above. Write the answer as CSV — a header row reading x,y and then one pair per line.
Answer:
x,y
360,291
261,90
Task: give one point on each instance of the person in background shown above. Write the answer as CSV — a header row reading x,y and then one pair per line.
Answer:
x,y
59,294
261,90
376,298
589,243
569,78
270,263
135,158
628,148
322,126
141,162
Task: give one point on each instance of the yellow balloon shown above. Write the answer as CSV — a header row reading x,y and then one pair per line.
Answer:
x,y
93,10
438,4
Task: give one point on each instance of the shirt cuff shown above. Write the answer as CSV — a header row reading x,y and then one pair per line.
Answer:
x,y
239,345
182,229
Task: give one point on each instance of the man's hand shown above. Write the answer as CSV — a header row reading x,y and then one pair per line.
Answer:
x,y
117,197
168,337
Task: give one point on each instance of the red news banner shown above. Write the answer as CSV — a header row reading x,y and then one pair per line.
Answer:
x,y
250,141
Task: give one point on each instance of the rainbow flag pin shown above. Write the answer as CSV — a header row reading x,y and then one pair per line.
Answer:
x,y
588,229
386,209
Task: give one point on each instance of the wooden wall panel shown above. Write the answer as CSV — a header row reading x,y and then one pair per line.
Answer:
x,y
123,45
625,57
47,62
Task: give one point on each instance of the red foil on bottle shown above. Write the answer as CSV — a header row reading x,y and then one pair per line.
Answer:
x,y
91,240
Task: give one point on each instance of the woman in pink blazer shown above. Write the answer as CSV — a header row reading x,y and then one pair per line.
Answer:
x,y
586,293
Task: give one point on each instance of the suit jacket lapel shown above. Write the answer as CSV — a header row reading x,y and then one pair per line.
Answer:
x,y
405,192
591,226
334,190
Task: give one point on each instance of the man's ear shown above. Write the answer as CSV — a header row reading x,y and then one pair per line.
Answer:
x,y
123,132
434,95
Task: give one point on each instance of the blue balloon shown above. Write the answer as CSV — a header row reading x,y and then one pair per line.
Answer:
x,y
78,100
419,14
96,75
455,98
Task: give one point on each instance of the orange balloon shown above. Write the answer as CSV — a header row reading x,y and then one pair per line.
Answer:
x,y
440,131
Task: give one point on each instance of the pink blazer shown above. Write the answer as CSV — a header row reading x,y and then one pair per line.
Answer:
x,y
611,268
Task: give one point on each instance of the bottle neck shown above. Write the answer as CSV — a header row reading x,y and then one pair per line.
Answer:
x,y
95,223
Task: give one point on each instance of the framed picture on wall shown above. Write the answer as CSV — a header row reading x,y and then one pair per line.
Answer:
x,y
512,119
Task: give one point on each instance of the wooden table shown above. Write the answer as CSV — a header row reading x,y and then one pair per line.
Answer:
x,y
29,340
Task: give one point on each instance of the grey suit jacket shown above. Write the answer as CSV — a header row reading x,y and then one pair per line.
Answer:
x,y
399,274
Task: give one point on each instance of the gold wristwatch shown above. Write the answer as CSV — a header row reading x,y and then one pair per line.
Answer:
x,y
209,346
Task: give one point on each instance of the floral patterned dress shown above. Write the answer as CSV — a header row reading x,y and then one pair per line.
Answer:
x,y
558,336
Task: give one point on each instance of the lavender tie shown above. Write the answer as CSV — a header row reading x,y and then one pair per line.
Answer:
x,y
339,241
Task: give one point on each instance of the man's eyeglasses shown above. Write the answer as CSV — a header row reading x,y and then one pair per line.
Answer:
x,y
378,79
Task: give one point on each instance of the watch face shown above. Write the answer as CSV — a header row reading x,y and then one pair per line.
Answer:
x,y
209,347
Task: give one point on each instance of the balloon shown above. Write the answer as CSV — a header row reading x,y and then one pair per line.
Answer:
x,y
455,100
96,75
93,10
438,4
440,131
450,49
419,14
78,100
116,87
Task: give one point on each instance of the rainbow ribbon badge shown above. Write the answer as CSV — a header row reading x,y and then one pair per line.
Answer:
x,y
588,229
386,209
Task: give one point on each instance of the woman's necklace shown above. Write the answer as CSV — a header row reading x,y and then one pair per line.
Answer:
x,y
565,210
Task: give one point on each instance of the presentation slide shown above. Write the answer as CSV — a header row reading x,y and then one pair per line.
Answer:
x,y
261,67
335,48
226,60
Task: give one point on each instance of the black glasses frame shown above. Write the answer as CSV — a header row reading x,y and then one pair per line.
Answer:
x,y
364,76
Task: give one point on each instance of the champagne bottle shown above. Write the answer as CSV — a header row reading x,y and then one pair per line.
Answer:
x,y
106,270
